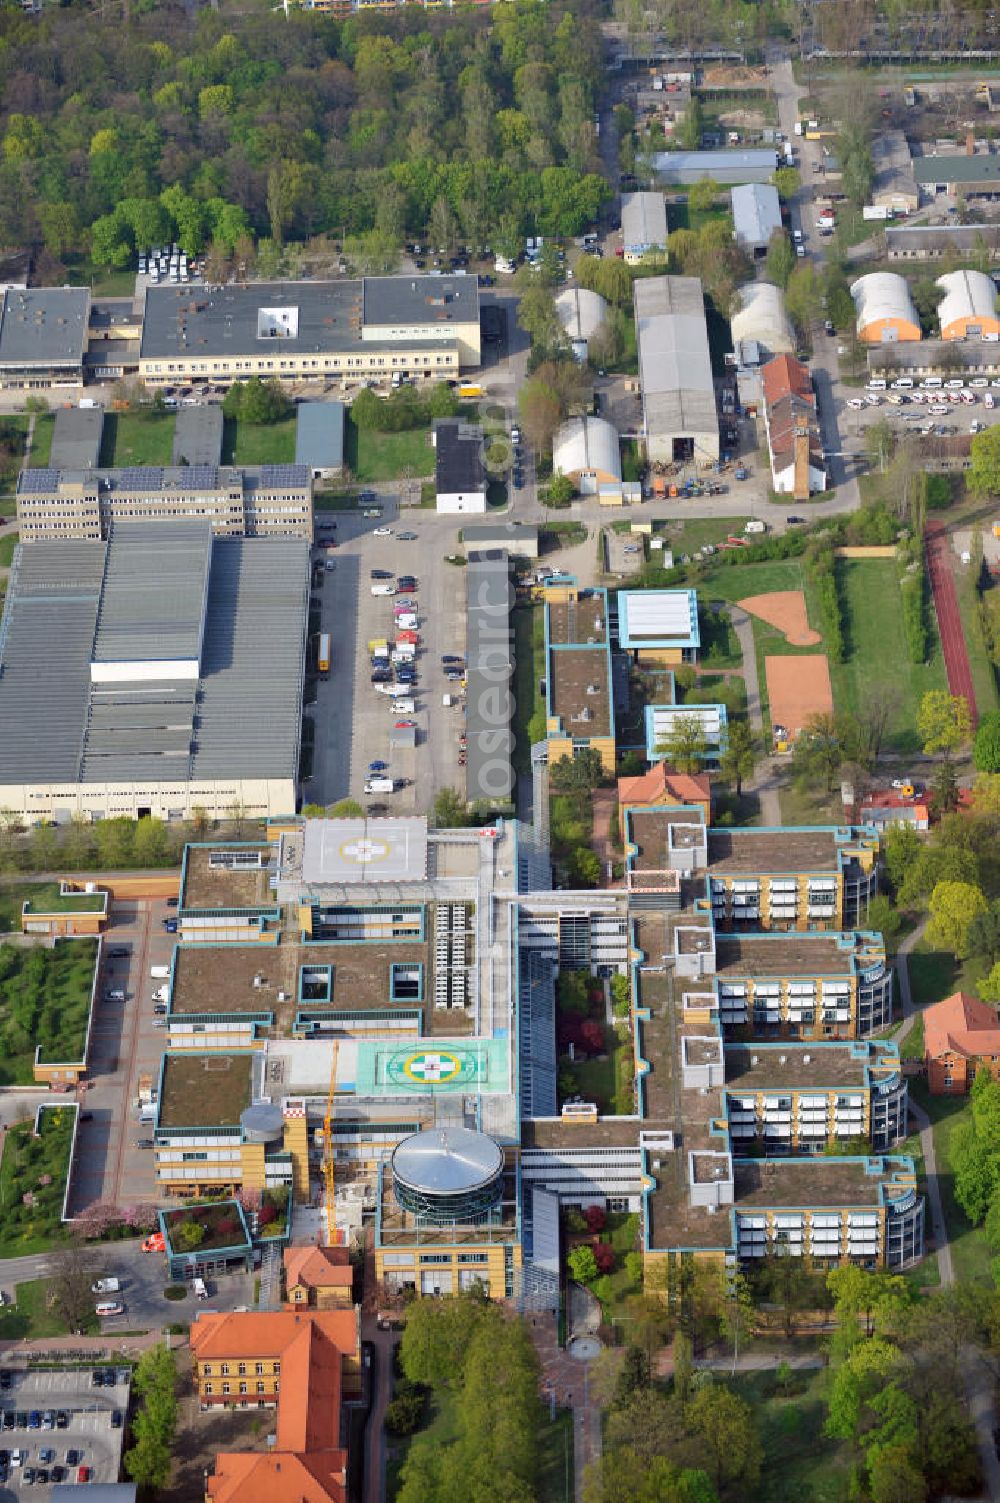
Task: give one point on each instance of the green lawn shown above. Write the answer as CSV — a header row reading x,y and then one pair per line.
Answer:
x,y
388,456
35,1167
529,669
984,679
935,974
874,638
13,435
809,806
41,439
7,546
31,1316
45,897
131,438
912,1046
259,443
799,1460
969,1248
12,897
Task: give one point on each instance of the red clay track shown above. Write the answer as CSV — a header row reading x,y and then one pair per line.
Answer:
x,y
956,656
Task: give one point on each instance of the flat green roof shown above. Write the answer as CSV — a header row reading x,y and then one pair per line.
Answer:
x,y
204,1090
48,899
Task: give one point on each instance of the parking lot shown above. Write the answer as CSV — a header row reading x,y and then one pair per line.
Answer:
x,y
109,1165
353,720
943,411
55,1422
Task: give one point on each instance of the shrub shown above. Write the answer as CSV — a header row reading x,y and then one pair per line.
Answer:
x,y
604,1257
175,1292
267,1214
596,1218
405,1412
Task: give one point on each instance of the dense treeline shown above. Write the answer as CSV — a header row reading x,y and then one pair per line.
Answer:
x,y
822,568
913,591
465,1349
123,136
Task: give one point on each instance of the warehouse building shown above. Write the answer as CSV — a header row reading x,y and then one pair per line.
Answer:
x,y
586,451
929,242
659,627
968,308
266,501
762,320
353,332
682,168
975,176
644,227
520,539
319,438
172,663
756,216
893,185
582,314
489,774
679,417
76,438
579,688
43,336
459,467
885,311
198,433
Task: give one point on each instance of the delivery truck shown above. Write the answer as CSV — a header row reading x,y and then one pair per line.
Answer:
x,y
380,785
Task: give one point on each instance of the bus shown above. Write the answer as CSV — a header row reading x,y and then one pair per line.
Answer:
x,y
323,654
467,391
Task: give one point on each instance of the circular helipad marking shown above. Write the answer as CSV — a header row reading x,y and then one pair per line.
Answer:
x,y
432,1068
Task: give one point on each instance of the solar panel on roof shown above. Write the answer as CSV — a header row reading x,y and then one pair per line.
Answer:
x,y
284,474
35,482
206,475
147,477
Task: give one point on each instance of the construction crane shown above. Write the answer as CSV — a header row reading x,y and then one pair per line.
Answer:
x,y
332,1235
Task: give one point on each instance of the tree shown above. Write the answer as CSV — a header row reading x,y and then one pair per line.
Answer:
x,y
562,490
723,1425
986,747
541,412
257,401
585,867
818,752
883,917
536,313
449,810
804,295
780,262
739,754
686,745
582,1264
437,1338
702,195
70,1293
984,470
895,1477
943,722
953,907
788,181
944,789
345,808
149,1461
579,774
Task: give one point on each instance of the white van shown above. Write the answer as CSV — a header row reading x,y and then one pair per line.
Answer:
x,y
403,706
905,383
383,589
88,402
199,1288
159,972
380,785
876,384
932,383
106,1286
109,1307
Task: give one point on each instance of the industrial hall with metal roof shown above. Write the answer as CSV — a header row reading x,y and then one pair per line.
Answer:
x,y
129,687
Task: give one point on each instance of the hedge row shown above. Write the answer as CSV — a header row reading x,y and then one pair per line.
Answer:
x,y
823,571
912,588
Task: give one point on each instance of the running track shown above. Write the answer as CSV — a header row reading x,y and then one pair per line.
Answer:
x,y
956,656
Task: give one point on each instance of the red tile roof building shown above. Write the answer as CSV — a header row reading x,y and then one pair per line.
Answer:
x,y
961,1035
300,1361
319,1278
798,468
661,788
